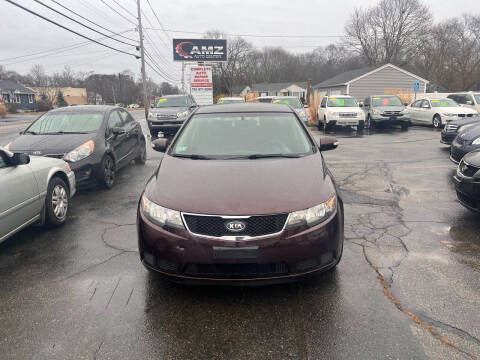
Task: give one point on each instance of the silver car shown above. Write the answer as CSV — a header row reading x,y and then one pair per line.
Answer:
x,y
33,190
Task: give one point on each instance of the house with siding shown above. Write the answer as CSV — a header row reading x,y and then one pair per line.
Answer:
x,y
73,96
14,93
240,90
375,80
298,89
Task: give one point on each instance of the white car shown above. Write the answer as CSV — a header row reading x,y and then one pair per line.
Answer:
x,y
468,99
33,189
230,100
340,110
437,112
133,106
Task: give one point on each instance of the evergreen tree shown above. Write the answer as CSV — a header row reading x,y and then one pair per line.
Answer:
x,y
60,100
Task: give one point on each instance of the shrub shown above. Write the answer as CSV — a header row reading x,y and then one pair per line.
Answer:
x,y
3,111
12,108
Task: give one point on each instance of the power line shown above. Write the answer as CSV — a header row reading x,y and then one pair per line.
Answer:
x,y
70,30
124,9
155,71
118,13
157,51
160,70
254,35
90,21
150,23
78,22
158,20
55,50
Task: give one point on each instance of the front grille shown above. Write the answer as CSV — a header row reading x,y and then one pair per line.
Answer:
x,y
56,156
391,113
216,225
166,116
451,128
236,270
347,115
467,169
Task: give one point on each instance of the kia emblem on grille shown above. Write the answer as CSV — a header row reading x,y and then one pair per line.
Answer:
x,y
235,226
36,152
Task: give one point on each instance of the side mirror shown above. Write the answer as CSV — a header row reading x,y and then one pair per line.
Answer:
x,y
20,159
322,106
360,104
426,106
160,145
328,143
405,104
469,102
306,106
118,131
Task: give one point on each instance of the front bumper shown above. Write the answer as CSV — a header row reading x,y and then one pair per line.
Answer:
x,y
332,121
392,120
184,257
468,191
447,138
165,126
87,170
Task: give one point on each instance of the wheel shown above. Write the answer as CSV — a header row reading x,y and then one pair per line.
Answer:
x,y
371,123
405,125
361,125
437,121
57,202
153,133
142,158
107,172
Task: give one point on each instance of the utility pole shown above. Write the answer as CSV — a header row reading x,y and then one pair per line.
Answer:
x,y
183,77
142,56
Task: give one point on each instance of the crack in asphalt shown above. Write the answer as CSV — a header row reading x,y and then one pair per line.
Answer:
x,y
372,236
92,266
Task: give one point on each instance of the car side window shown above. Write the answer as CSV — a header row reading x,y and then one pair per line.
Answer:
x,y
461,99
416,104
114,120
425,102
324,102
468,98
126,117
366,102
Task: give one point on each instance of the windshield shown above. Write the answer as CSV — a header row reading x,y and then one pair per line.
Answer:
x,y
386,101
241,135
293,102
264,100
179,101
230,101
444,103
477,98
67,122
342,102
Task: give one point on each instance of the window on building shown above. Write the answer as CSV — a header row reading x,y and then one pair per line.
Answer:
x,y
30,98
16,98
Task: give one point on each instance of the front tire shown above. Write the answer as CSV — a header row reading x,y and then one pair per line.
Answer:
x,y
142,158
437,121
371,123
107,172
405,125
361,125
57,202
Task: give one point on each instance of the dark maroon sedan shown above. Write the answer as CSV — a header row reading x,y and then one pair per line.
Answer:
x,y
242,195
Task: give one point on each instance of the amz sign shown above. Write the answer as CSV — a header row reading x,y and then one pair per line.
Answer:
x,y
199,50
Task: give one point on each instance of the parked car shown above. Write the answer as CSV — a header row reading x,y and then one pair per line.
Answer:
x,y
95,140
296,104
385,110
340,110
264,99
437,112
468,99
212,211
33,190
133,106
169,113
467,181
230,100
120,105
467,140
451,129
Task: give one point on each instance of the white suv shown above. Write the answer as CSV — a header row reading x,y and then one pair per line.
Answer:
x,y
341,110
468,99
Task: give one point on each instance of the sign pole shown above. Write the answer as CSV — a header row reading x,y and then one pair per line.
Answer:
x,y
142,55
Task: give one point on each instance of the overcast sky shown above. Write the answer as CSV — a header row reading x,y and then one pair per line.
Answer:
x,y
23,33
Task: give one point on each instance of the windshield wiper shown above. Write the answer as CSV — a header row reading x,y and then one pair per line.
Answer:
x,y
30,132
64,132
193,156
263,156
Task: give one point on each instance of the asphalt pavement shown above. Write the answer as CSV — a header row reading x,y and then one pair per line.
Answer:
x,y
407,287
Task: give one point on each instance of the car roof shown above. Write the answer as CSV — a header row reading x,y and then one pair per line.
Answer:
x,y
390,95
232,98
340,96
245,107
176,95
79,108
285,97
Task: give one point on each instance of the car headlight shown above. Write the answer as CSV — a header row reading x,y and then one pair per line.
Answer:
x,y
160,215
7,147
80,152
448,114
182,114
313,215
152,116
333,113
376,111
476,141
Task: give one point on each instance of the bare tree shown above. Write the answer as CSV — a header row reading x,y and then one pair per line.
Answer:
x,y
38,76
391,31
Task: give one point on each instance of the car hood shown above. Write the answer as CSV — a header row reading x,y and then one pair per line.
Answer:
x,y
465,121
240,187
345,109
473,158
49,144
389,108
168,110
470,133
